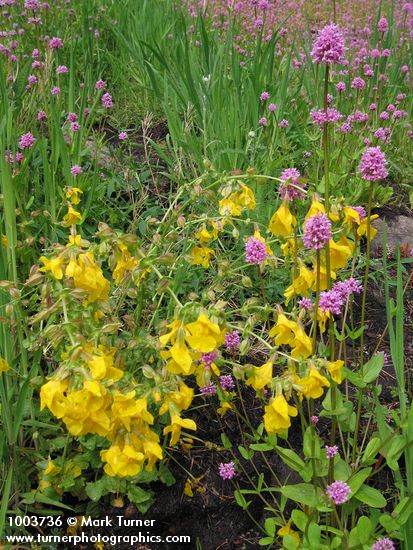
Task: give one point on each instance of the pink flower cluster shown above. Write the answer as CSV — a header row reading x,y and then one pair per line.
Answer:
x,y
317,231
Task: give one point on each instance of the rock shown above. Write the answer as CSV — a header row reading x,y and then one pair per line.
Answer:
x,y
399,232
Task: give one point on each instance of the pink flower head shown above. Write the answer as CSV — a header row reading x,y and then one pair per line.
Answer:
x,y
328,47
272,107
75,126
383,544
227,471
263,121
208,390
319,118
41,115
317,231
330,301
284,123
383,26
100,85
72,117
55,43
232,340
122,136
226,382
264,96
107,101
373,164
209,358
340,86
255,251
358,83
291,188
27,141
338,492
76,170
331,451
55,90
306,303
32,79
62,69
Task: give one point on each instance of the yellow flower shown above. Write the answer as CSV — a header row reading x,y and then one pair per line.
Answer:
x,y
289,247
125,262
323,277
286,530
283,331
334,368
302,344
180,399
340,252
282,222
72,193
101,366
88,276
277,415
230,206
362,229
351,216
247,198
315,208
4,366
203,335
126,461
75,240
203,235
224,408
126,406
55,266
85,410
51,469
301,284
177,423
312,385
204,373
72,217
4,241
200,255
262,376
52,396
153,452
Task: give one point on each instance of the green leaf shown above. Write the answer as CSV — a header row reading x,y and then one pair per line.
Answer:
x,y
371,450
313,535
240,500
372,368
290,458
137,495
245,453
226,442
357,479
261,447
304,493
311,444
165,475
300,519
371,496
266,541
364,529
270,527
96,489
354,378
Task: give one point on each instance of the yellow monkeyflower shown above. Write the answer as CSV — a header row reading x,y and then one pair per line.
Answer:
x,y
122,461
75,240
4,366
230,206
180,399
323,277
225,406
125,407
282,222
351,216
277,415
88,276
72,217
340,252
246,198
283,331
201,255
312,385
363,227
55,266
203,335
302,344
51,468
203,235
72,193
176,425
262,376
301,284
125,262
315,208
334,368
52,396
286,530
289,247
